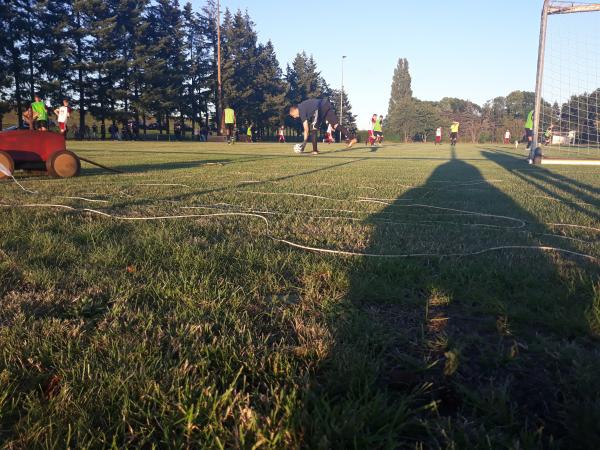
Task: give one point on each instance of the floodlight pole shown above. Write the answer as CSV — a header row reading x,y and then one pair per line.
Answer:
x,y
342,99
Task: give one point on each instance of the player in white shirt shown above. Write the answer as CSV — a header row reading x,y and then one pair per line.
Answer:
x,y
63,113
507,137
329,135
438,136
281,134
371,137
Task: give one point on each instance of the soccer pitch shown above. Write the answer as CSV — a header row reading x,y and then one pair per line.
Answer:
x,y
173,304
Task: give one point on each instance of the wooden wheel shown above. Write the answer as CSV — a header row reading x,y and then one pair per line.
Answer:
x,y
7,164
63,164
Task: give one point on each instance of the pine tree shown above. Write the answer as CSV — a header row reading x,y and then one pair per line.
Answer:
x,y
104,58
15,43
270,89
208,18
304,80
6,80
197,45
79,58
348,119
401,85
239,65
165,62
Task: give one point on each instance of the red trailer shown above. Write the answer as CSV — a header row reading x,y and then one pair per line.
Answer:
x,y
37,150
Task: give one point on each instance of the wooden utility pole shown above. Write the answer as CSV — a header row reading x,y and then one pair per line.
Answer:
x,y
219,86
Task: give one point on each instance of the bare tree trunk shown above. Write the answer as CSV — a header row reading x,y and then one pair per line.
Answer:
x,y
17,76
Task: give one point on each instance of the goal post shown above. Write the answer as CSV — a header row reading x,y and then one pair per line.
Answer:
x,y
566,126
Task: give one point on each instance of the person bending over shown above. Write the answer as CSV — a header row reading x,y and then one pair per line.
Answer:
x,y
313,113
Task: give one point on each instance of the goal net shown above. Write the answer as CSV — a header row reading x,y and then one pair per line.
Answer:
x,y
567,128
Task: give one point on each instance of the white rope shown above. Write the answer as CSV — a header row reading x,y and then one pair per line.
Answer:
x,y
310,248
85,199
420,205
293,194
569,225
4,170
163,184
438,255
389,222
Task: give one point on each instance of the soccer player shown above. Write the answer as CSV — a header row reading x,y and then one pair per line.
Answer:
x,y
438,136
548,135
313,113
507,137
371,137
249,133
229,120
281,134
529,128
40,114
454,133
63,113
329,135
378,130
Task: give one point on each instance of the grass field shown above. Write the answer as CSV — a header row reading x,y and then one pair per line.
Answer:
x,y
210,332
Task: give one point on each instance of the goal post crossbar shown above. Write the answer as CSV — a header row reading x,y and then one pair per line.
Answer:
x,y
571,7
550,7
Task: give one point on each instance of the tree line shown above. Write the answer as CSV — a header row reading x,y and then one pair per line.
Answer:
x,y
148,60
412,119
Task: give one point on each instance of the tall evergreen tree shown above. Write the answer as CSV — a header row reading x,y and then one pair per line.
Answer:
x,y
165,61
6,79
348,118
53,54
240,66
208,17
17,45
401,86
270,94
304,80
79,56
197,50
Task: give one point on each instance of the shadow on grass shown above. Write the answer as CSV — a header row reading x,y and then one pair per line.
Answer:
x,y
552,184
486,351
193,194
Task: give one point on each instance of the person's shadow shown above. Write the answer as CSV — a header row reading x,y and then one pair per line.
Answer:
x,y
469,351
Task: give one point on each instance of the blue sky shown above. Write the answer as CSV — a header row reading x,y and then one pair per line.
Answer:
x,y
472,49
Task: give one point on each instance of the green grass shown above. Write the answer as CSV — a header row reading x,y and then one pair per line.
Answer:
x,y
207,333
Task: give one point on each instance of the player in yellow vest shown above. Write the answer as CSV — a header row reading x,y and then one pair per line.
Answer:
x,y
454,133
229,121
529,128
249,133
378,130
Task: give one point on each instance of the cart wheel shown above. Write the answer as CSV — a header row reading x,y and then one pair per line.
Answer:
x,y
63,164
7,163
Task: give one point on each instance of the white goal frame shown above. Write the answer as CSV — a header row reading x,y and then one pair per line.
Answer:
x,y
553,7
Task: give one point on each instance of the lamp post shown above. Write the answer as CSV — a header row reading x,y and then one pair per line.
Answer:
x,y
342,98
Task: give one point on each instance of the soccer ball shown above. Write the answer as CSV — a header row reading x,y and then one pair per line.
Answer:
x,y
298,148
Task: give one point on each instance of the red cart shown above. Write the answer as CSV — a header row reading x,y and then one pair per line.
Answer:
x,y
37,150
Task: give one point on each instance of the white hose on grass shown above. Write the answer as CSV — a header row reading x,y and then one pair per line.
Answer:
x,y
4,170
311,248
